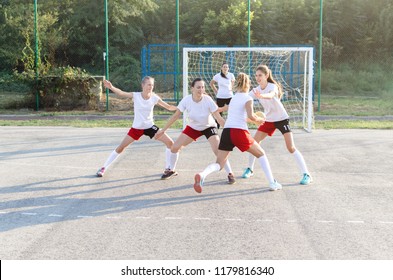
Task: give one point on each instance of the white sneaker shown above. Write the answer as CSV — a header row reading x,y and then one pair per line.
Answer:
x,y
275,186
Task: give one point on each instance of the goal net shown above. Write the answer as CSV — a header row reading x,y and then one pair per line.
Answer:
x,y
292,67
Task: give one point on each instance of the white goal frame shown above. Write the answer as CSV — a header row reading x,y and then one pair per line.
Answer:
x,y
300,107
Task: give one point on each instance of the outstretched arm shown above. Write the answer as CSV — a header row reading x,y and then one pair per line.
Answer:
x,y
167,106
268,95
168,124
251,116
116,90
219,119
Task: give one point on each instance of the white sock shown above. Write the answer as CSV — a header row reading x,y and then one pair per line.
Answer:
x,y
266,168
251,161
173,160
167,158
300,162
228,167
112,157
213,167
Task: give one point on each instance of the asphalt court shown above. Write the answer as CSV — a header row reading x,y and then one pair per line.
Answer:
x,y
52,206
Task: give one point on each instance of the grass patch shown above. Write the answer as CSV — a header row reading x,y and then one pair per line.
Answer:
x,y
81,123
353,124
356,105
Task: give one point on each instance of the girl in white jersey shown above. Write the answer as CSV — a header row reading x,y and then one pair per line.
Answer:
x,y
236,134
225,81
269,94
201,109
143,123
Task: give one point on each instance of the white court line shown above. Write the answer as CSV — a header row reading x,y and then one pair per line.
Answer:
x,y
325,222
55,215
173,218
206,219
142,217
355,222
265,220
233,219
84,216
29,214
383,222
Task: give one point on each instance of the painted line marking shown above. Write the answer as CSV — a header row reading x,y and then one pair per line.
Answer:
x,y
325,222
383,222
233,219
142,218
29,214
173,218
3,212
113,217
206,219
84,216
355,222
265,220
55,215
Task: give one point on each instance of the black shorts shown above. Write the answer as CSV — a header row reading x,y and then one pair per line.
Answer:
x,y
223,101
151,131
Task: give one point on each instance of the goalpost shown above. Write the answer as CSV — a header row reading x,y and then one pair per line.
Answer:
x,y
292,67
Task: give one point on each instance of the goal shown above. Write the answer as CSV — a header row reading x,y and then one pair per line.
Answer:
x,y
290,66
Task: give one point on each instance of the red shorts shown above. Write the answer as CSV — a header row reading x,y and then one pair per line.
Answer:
x,y
270,127
137,133
235,137
195,134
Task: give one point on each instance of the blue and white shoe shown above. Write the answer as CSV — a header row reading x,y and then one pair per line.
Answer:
x,y
306,180
275,186
247,173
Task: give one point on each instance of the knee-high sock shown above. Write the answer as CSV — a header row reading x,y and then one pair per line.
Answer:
x,y
251,161
112,157
173,160
167,158
266,168
300,162
213,167
228,167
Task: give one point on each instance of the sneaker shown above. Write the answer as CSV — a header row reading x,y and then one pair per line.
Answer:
x,y
198,183
168,174
275,186
306,179
247,173
231,179
100,172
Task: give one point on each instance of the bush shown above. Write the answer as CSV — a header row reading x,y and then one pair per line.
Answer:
x,y
66,88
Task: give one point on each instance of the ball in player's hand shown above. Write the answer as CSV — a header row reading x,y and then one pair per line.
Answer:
x,y
260,114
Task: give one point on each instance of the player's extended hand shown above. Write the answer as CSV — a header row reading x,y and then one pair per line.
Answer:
x,y
107,84
257,93
159,134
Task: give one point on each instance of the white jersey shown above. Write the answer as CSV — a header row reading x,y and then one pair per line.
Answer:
x,y
224,85
273,108
237,114
143,110
199,113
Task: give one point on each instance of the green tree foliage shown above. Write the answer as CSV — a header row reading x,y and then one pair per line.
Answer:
x,y
72,32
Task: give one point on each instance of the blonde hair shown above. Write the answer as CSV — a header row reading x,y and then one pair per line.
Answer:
x,y
144,80
242,83
265,70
